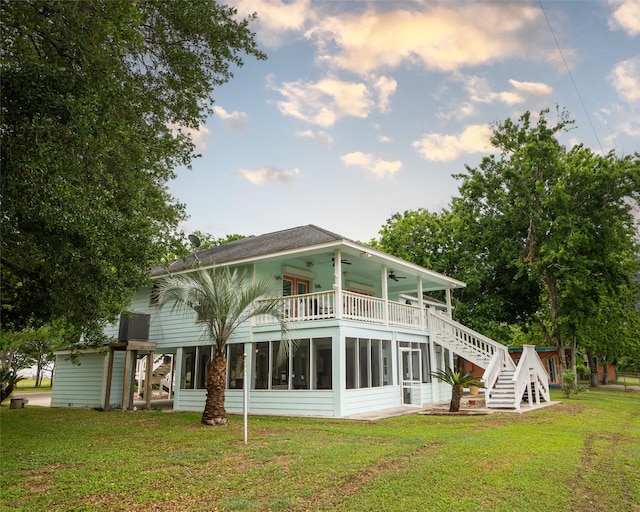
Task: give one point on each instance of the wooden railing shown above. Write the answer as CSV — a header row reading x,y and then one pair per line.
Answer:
x,y
466,342
355,306
530,371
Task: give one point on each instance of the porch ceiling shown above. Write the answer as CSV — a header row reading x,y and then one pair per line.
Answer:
x,y
362,264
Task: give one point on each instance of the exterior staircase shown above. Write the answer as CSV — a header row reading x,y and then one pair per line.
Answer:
x,y
161,375
503,394
505,383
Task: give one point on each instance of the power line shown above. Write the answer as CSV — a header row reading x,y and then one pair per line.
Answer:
x,y
571,76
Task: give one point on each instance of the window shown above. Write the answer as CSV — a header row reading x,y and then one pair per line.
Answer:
x,y
300,366
295,285
426,362
376,362
188,368
276,366
261,366
386,362
365,361
425,359
204,360
322,361
351,362
368,363
279,365
552,369
153,295
235,362
195,367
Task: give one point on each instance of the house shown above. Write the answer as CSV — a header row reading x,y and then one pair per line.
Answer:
x,y
369,337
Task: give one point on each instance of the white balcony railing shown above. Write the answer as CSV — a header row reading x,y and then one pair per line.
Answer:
x,y
354,306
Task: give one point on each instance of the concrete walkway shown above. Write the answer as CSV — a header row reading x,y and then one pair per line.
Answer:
x,y
42,399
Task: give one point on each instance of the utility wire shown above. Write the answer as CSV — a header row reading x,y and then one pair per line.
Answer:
x,y
571,76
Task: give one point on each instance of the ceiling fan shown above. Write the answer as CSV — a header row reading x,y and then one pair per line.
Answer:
x,y
343,261
394,277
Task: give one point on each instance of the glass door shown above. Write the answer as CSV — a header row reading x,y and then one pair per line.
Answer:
x,y
295,307
411,376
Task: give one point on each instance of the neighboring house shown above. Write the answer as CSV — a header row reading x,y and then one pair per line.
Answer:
x,y
550,359
369,336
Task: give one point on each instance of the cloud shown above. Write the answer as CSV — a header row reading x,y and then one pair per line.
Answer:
x,y
323,137
324,102
457,112
445,148
626,16
384,138
625,78
480,91
237,120
385,87
439,36
199,136
378,168
277,20
268,174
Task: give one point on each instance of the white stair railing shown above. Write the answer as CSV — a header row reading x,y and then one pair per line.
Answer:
x,y
465,342
532,377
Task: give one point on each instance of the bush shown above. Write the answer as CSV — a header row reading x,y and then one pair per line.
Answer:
x,y
569,384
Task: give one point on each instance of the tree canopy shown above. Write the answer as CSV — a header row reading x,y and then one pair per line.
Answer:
x,y
544,235
96,98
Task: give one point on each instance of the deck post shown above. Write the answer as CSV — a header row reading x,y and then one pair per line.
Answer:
x,y
148,384
423,313
131,378
126,384
107,393
385,293
337,282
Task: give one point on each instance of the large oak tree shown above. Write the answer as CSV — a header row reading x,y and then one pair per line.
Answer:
x,y
96,101
544,236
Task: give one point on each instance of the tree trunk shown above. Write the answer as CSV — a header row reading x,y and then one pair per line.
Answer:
x,y
605,373
39,373
456,395
214,412
552,288
574,351
6,392
593,370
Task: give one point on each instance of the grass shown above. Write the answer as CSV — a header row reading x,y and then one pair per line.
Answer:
x,y
582,455
28,386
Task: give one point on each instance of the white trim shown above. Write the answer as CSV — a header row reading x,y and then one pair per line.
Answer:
x,y
362,288
298,272
337,244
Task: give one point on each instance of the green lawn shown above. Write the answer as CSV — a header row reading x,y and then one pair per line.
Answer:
x,y
28,386
583,455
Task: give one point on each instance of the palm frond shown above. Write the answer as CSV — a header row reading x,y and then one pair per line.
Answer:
x,y
223,298
452,378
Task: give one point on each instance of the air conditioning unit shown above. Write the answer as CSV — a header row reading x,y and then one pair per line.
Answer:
x,y
134,327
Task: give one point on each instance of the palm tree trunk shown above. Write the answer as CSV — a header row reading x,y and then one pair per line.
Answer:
x,y
456,395
214,412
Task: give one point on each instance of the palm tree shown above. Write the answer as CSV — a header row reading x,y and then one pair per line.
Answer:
x,y
223,300
458,381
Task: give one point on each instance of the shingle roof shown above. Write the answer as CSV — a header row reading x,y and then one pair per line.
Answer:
x,y
254,246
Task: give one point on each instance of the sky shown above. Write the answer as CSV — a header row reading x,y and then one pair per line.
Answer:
x,y
366,109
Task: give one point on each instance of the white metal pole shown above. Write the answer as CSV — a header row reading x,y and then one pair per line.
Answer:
x,y
245,396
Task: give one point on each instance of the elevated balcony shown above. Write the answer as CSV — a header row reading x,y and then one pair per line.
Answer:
x,y
352,306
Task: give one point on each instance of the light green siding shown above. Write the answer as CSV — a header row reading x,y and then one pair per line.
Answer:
x,y
83,383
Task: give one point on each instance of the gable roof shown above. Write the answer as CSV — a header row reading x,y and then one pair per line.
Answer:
x,y
295,241
255,246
